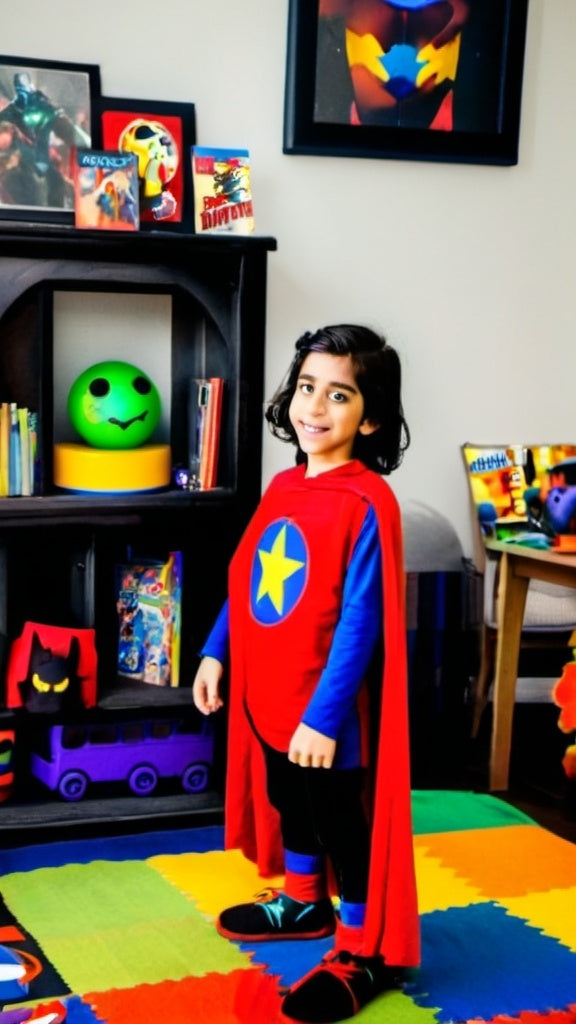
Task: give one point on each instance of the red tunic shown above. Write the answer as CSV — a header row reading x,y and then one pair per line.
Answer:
x,y
275,670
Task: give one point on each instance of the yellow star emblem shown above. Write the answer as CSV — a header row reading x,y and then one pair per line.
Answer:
x,y
276,569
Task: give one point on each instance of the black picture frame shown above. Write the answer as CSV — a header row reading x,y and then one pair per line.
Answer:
x,y
116,113
486,101
36,153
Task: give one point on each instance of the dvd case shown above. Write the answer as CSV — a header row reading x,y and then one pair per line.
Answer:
x,y
105,190
222,191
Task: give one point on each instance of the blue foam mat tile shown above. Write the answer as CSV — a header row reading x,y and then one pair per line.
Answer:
x,y
131,847
288,960
479,961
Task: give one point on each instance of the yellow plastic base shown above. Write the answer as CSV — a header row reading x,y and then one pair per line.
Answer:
x,y
77,467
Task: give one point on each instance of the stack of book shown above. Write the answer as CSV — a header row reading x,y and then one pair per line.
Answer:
x,y
18,450
205,413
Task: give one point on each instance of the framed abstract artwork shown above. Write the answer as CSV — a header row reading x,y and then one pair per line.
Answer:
x,y
47,109
160,134
406,79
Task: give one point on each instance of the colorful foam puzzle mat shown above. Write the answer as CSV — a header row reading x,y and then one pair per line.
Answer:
x,y
120,930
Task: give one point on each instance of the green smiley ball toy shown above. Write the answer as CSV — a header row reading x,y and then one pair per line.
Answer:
x,y
114,405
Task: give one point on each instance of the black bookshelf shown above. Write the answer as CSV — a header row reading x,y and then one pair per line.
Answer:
x,y
217,290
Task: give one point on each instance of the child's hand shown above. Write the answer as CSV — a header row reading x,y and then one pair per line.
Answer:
x,y
311,749
206,686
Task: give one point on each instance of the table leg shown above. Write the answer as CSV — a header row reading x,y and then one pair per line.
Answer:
x,y
511,603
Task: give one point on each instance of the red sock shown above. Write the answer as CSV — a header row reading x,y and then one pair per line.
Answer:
x,y
306,888
349,937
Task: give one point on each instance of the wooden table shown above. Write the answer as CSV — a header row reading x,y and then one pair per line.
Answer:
x,y
518,565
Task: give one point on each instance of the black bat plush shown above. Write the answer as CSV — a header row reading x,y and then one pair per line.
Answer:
x,y
52,683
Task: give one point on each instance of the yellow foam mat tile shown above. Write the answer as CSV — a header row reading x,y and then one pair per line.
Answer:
x,y
214,880
553,913
439,887
505,862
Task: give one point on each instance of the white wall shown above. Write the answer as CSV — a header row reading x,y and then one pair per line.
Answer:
x,y
469,270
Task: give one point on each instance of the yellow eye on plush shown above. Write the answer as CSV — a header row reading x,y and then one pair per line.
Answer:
x,y
39,684
60,687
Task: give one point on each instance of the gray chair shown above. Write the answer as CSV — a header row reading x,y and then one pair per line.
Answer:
x,y
438,646
431,543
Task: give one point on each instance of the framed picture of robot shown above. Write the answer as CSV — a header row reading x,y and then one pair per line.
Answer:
x,y
405,79
160,134
46,109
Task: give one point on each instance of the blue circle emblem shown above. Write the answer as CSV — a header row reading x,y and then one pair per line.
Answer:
x,y
279,572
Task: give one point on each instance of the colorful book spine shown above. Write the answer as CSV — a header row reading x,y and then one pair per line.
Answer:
x,y
25,476
33,451
4,448
15,464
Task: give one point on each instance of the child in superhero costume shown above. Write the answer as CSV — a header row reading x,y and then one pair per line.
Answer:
x,y
318,780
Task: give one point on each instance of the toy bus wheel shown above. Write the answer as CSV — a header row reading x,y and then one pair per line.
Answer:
x,y
72,785
142,780
195,778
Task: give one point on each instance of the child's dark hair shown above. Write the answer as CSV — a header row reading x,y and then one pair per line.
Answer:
x,y
378,376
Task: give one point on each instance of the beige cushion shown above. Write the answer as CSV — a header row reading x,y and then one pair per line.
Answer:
x,y
548,606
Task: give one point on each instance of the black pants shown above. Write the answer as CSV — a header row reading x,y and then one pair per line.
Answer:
x,y
322,813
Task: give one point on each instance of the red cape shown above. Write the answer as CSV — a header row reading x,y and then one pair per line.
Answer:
x,y
252,825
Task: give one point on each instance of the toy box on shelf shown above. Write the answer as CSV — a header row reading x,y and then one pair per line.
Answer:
x,y
149,598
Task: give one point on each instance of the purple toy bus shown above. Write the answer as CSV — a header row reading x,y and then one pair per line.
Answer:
x,y
138,751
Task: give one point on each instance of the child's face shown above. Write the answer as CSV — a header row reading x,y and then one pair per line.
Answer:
x,y
327,411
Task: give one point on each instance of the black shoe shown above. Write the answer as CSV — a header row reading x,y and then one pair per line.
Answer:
x,y
338,988
277,916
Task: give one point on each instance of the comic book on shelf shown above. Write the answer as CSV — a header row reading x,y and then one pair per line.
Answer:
x,y
148,602
105,190
222,191
524,492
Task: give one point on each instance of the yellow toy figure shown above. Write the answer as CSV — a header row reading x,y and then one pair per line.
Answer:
x,y
157,156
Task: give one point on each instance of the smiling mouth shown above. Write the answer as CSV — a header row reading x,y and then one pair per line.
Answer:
x,y
124,424
310,429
